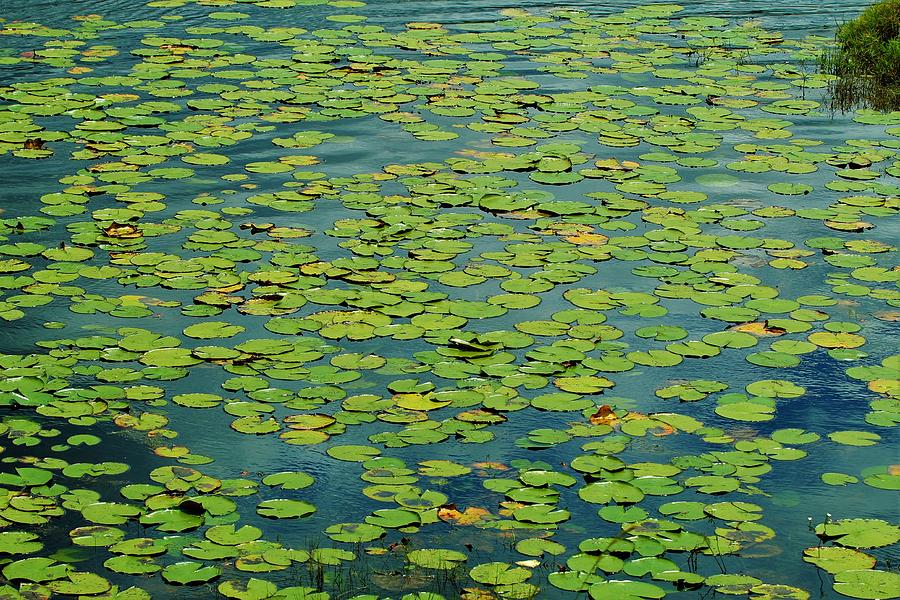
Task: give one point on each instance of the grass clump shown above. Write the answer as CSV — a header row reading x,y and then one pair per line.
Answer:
x,y
866,60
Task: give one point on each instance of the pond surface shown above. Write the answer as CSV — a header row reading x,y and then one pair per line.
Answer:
x,y
430,300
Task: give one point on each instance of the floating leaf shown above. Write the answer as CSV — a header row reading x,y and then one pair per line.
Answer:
x,y
867,583
282,508
190,573
859,533
440,559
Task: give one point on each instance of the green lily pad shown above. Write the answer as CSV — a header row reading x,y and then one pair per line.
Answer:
x,y
855,438
227,535
289,480
625,590
212,330
499,573
190,573
867,583
354,532
283,508
835,559
251,589
439,559
859,533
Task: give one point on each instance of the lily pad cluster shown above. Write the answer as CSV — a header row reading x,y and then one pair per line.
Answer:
x,y
430,334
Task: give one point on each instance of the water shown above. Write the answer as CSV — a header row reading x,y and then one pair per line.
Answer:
x,y
787,491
